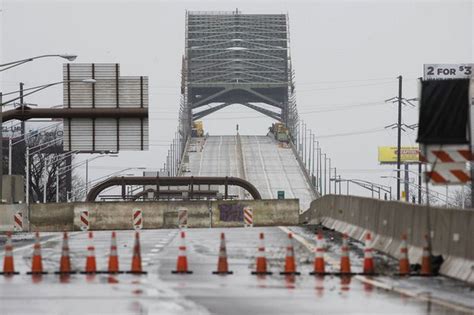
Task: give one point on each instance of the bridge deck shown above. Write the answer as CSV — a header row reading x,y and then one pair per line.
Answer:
x,y
260,160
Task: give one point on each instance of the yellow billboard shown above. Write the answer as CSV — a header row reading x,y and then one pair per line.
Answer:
x,y
407,154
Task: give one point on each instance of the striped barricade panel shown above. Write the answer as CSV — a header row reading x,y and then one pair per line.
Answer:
x,y
248,217
85,223
137,219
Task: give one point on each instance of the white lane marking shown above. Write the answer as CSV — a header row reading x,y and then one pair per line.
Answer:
x,y
263,168
278,150
382,285
155,250
51,239
219,156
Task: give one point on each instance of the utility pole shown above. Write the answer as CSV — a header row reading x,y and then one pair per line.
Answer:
x,y
407,182
419,183
399,139
335,181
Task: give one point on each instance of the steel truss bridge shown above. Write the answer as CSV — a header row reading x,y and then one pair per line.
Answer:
x,y
234,58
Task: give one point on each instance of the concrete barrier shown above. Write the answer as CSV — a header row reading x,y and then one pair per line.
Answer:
x,y
451,230
162,214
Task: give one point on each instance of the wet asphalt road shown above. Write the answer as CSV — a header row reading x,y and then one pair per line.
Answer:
x,y
161,292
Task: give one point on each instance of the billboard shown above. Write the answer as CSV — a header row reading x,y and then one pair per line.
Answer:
x,y
110,90
450,161
388,155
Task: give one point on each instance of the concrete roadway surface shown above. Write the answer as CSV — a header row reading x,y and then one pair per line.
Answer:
x,y
160,292
263,162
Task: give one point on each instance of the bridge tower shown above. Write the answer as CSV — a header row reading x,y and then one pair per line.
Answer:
x,y
234,58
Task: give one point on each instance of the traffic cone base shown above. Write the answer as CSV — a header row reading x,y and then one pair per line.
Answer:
x,y
294,273
181,272
222,272
315,273
9,273
262,273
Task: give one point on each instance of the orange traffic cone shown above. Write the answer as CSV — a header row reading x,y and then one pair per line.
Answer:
x,y
426,260
290,264
36,261
368,256
261,268
113,256
345,261
222,265
137,258
8,263
319,265
182,261
91,266
404,264
65,261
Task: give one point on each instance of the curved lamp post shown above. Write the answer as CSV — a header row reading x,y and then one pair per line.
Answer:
x,y
9,65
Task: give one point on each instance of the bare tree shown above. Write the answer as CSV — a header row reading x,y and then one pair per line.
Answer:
x,y
462,197
78,187
47,158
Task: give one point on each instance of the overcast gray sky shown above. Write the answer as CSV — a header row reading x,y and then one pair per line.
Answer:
x,y
346,55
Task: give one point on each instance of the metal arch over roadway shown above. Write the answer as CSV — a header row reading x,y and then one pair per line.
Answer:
x,y
173,181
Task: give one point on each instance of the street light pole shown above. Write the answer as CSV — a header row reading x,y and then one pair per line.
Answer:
x,y
309,152
13,64
27,172
57,185
325,168
87,176
329,176
305,146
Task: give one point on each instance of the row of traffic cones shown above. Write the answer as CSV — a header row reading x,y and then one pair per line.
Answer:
x,y
369,264
222,264
65,260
